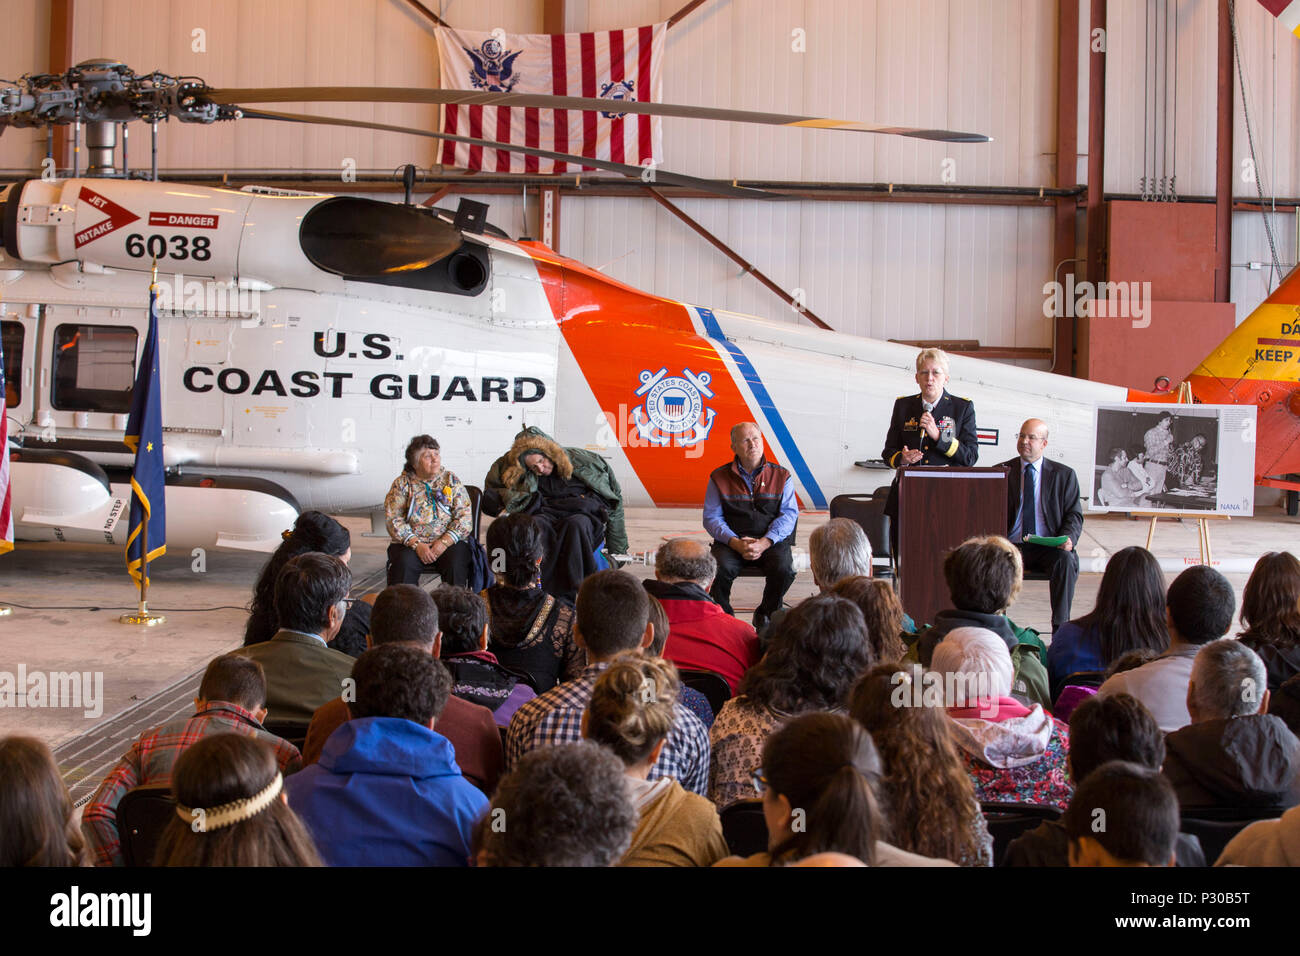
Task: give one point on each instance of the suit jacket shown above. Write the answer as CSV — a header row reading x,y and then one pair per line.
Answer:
x,y
301,674
1059,497
958,443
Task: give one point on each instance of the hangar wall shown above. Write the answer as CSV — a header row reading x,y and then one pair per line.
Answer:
x,y
885,270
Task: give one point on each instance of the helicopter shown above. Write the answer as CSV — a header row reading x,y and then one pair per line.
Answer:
x,y
303,338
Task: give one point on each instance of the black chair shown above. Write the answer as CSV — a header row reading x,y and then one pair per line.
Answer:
x,y
1216,826
744,827
475,506
715,690
294,731
882,492
1006,821
142,815
869,512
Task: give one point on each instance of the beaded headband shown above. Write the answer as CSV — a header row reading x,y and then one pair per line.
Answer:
x,y
223,816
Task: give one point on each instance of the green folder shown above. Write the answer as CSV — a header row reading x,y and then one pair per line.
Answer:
x,y
1047,542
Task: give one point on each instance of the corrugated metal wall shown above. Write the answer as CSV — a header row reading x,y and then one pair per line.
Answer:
x,y
903,271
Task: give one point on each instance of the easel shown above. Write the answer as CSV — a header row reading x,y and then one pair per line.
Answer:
x,y
1202,527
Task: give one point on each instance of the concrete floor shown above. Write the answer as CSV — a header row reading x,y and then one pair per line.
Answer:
x,y
66,602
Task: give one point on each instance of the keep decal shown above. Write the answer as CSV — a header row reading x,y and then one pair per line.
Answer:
x,y
386,386
674,409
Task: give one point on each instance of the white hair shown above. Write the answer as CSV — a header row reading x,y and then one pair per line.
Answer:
x,y
980,662
839,549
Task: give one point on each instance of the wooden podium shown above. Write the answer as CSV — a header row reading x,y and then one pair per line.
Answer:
x,y
938,509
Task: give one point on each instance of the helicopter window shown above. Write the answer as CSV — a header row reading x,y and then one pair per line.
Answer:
x,y
94,368
11,341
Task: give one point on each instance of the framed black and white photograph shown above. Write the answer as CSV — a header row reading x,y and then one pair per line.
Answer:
x,y
1182,459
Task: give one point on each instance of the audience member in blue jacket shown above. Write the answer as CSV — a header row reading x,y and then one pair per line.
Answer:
x,y
1129,615
387,791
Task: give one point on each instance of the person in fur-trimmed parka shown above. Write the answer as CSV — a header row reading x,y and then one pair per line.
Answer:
x,y
574,493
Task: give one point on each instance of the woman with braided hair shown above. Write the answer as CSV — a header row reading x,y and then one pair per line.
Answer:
x,y
631,714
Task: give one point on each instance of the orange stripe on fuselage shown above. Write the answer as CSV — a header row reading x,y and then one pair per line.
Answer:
x,y
617,332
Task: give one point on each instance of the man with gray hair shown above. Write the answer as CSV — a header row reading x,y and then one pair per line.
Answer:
x,y
839,549
701,635
1233,753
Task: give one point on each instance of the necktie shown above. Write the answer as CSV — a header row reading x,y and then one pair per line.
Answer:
x,y
1028,524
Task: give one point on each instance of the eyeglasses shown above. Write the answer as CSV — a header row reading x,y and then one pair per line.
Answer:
x,y
759,780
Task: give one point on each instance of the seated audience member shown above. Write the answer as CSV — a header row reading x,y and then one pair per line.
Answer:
x,y
883,613
1285,704
817,653
613,616
1141,814
702,636
313,531
1270,609
1234,753
630,713
302,672
530,630
230,810
1014,753
566,805
690,698
837,550
37,827
984,576
476,676
232,699
818,778
1265,843
1102,729
1129,615
405,614
1199,609
387,791
931,799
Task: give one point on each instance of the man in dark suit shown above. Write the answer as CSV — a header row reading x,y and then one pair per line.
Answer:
x,y
932,428
301,672
1043,500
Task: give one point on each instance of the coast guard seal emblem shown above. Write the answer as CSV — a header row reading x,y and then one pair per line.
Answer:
x,y
674,410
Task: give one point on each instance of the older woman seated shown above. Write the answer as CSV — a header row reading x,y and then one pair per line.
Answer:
x,y
430,520
1014,753
573,492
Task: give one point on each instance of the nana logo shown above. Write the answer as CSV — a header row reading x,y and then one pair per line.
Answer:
x,y
618,91
674,409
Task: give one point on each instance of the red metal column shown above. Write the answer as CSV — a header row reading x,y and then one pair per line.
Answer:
x,y
1067,168
1223,162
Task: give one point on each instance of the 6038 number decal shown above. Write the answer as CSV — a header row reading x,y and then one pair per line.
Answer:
x,y
198,248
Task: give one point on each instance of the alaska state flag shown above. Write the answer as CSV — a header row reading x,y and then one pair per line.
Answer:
x,y
144,437
6,516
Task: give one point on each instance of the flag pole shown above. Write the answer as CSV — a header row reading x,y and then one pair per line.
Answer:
x,y
142,616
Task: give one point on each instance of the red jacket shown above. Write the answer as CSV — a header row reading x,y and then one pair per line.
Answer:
x,y
702,636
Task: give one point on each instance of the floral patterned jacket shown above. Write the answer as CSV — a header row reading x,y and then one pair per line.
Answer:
x,y
420,512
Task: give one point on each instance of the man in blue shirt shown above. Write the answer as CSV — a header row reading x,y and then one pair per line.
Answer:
x,y
1043,501
750,510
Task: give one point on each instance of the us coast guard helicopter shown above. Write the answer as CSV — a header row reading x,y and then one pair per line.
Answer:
x,y
304,338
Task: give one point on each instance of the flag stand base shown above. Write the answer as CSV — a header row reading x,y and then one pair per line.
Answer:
x,y
5,611
142,618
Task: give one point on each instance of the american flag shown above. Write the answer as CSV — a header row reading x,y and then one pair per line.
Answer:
x,y
614,65
6,515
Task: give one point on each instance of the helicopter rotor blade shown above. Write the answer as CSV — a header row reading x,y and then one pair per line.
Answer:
x,y
658,176
399,94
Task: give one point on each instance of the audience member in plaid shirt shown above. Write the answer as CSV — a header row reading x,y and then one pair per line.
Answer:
x,y
232,699
613,616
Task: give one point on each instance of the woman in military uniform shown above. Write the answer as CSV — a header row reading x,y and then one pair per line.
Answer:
x,y
932,428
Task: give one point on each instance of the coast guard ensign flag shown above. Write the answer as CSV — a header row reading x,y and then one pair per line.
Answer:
x,y
614,65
